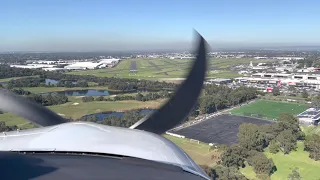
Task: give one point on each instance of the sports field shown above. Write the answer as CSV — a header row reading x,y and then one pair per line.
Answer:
x,y
198,152
269,109
221,130
308,168
165,68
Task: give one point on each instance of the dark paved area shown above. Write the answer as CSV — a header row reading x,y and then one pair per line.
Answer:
x,y
222,129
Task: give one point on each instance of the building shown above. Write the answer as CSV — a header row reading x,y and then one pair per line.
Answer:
x,y
83,66
109,62
302,80
310,116
219,81
53,69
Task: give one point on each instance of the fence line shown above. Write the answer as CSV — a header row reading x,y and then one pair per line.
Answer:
x,y
175,135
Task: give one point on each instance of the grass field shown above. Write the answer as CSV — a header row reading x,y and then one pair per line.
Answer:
x,y
166,68
198,152
81,109
269,109
309,169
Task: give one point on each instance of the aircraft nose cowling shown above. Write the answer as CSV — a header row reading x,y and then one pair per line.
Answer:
x,y
97,138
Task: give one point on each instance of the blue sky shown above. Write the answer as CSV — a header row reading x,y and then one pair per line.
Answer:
x,y
138,24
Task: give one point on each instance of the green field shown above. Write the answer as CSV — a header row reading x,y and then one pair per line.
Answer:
x,y
76,109
269,109
309,169
169,68
198,152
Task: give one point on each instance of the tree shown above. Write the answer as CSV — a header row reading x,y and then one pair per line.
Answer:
x,y
287,121
139,97
250,137
305,94
261,164
100,98
276,91
87,99
224,173
292,89
274,147
287,141
312,145
294,175
234,156
316,102
267,130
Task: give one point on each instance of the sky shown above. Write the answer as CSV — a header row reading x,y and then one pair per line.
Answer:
x,y
106,25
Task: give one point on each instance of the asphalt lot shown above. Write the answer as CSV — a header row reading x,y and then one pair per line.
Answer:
x,y
222,129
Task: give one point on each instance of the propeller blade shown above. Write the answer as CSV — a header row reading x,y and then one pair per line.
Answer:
x,y
179,106
27,109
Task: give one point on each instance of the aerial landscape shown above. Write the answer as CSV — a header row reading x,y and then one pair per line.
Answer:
x,y
256,116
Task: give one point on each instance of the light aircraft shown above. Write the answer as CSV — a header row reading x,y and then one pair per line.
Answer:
x,y
84,150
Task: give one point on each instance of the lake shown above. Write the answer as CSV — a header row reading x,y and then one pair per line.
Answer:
x,y
4,83
101,116
52,81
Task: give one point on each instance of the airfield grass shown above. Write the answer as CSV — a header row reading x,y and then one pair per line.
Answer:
x,y
269,109
200,153
308,168
169,68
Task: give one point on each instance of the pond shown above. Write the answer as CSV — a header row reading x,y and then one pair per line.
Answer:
x,y
101,116
52,81
87,92
4,83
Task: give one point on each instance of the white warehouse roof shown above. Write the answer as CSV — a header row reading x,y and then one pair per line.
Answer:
x,y
83,65
108,61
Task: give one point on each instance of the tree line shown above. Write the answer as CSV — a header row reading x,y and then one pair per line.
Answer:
x,y
9,72
40,82
220,97
139,97
123,84
68,80
45,100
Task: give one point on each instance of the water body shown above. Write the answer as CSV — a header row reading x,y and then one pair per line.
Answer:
x,y
101,116
4,83
88,92
52,81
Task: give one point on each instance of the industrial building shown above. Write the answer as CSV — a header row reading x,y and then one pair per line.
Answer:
x,y
218,81
309,117
307,80
83,66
